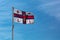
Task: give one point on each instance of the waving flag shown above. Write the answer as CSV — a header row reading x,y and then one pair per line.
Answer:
x,y
23,17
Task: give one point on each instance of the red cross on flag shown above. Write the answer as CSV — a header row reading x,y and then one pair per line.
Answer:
x,y
23,17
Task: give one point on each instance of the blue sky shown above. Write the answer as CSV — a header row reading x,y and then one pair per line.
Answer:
x,y
45,27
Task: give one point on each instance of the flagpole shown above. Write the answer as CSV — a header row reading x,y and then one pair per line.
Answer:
x,y
12,23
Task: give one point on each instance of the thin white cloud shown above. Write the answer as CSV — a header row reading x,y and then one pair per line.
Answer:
x,y
50,3
5,32
8,35
5,35
5,28
51,8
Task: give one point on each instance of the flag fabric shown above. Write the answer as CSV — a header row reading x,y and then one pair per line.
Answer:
x,y
23,17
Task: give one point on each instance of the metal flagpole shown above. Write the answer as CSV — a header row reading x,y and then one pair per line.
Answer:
x,y
12,23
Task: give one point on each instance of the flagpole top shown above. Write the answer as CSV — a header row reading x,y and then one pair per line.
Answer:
x,y
12,7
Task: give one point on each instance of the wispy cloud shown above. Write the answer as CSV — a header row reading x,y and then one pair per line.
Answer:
x,y
5,28
51,8
5,32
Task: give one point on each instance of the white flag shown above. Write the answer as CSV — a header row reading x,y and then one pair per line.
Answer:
x,y
23,17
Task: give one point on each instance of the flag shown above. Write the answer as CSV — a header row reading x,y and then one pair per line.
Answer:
x,y
23,17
